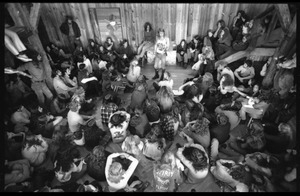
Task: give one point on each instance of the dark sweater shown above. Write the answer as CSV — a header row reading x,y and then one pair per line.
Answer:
x,y
220,132
65,29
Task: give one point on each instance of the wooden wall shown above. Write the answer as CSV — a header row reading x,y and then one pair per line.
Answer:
x,y
179,20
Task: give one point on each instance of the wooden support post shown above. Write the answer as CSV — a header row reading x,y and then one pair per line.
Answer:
x,y
265,13
284,16
268,79
272,25
35,15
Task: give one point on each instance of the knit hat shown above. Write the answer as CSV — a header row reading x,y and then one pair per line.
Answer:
x,y
117,119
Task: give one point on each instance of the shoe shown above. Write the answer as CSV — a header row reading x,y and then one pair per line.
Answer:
x,y
142,187
23,58
156,75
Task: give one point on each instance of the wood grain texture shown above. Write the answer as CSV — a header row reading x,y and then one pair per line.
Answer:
x,y
180,21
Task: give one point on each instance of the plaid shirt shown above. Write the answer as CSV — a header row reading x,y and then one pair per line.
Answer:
x,y
106,110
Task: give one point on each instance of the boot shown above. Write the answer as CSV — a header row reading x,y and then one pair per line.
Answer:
x,y
162,75
156,75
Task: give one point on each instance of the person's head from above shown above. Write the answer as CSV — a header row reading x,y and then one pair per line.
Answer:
x,y
161,33
210,33
99,152
115,170
125,43
208,79
81,66
247,63
196,39
134,62
31,140
100,47
196,156
48,48
74,106
117,119
84,57
167,76
69,19
109,40
226,80
241,14
92,42
58,72
256,88
220,65
285,129
251,23
221,24
110,66
147,27
165,92
78,135
183,43
169,158
222,119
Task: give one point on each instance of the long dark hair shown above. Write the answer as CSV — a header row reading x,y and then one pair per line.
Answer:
x,y
222,22
185,44
191,154
148,24
228,80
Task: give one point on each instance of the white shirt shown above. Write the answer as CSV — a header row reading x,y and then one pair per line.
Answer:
x,y
162,45
74,121
168,83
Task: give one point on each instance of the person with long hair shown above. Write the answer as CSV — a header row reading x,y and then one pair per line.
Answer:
x,y
194,48
148,42
181,53
34,149
96,162
110,47
118,169
165,99
224,37
65,164
160,48
60,86
195,158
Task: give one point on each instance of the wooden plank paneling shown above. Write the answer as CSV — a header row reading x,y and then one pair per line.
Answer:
x,y
180,21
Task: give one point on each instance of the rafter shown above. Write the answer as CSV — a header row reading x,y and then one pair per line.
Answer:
x,y
35,15
284,15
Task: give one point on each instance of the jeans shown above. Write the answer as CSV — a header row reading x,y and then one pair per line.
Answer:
x,y
160,57
182,57
145,46
193,55
40,88
13,42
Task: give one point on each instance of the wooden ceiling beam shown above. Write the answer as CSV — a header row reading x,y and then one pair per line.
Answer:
x,y
284,16
34,16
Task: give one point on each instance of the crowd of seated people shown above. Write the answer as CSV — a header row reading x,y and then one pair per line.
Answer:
x,y
224,122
